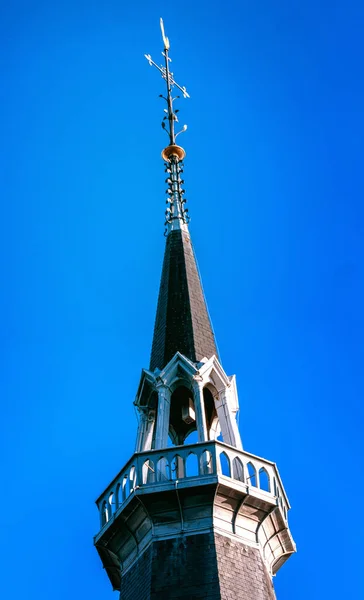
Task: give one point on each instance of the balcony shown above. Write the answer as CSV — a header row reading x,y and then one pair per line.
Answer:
x,y
196,487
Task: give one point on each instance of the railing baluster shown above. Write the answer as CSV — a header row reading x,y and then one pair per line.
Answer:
x,y
208,456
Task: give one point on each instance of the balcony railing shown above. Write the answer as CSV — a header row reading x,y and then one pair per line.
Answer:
x,y
194,464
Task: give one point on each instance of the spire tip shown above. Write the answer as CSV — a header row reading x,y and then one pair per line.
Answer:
x,y
164,37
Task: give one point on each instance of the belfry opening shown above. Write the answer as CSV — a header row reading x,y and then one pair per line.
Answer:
x,y
182,419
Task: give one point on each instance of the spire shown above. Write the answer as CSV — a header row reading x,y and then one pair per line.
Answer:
x,y
176,213
182,322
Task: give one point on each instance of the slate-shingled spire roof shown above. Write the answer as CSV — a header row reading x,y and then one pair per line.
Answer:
x,y
182,323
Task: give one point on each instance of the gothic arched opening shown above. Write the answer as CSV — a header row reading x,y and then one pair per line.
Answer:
x,y
182,420
210,413
264,479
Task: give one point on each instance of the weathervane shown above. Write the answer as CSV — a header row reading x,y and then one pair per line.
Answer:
x,y
176,214
171,115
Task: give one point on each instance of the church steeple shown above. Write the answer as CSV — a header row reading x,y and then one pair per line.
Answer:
x,y
182,322
186,519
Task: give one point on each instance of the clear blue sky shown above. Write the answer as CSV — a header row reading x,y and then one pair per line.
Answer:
x,y
274,176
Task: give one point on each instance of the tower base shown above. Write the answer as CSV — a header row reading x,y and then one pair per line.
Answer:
x,y
206,565
203,535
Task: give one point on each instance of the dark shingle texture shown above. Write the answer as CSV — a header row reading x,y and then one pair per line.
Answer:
x,y
242,573
136,583
193,567
182,322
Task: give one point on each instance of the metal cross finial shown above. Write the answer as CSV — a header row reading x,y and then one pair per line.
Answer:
x,y
171,115
176,212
